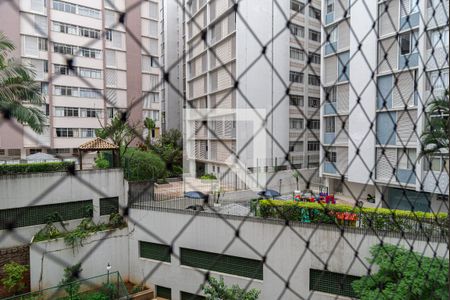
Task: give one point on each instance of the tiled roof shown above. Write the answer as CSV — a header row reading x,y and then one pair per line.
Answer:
x,y
98,144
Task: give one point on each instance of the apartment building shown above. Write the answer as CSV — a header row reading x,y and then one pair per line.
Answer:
x,y
232,49
90,66
378,81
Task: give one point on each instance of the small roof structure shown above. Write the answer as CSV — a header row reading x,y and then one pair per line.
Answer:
x,y
41,157
98,144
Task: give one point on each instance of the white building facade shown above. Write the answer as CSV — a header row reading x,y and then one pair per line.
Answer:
x,y
377,83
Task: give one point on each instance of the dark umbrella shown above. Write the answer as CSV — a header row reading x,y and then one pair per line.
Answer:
x,y
269,194
195,195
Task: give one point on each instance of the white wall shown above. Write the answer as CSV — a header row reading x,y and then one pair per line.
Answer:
x,y
209,233
49,258
57,187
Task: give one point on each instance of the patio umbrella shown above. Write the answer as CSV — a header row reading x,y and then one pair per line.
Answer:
x,y
269,194
195,195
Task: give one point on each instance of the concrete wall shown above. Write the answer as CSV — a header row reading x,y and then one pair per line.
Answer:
x,y
58,187
49,258
209,233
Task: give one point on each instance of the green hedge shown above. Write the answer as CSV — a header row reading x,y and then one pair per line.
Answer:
x,y
59,166
143,165
375,218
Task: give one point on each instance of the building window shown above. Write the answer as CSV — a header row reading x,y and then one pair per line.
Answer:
x,y
163,292
110,112
108,34
296,146
313,102
313,124
63,70
438,38
90,93
331,156
66,111
90,113
314,80
330,94
297,30
43,44
330,6
332,283
65,132
64,49
45,66
234,265
154,251
330,126
296,123
314,35
65,7
90,73
406,159
297,54
297,6
314,13
90,33
87,132
313,146
314,58
88,52
405,43
296,77
65,91
296,100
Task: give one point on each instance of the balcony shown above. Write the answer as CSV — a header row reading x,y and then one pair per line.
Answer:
x,y
329,18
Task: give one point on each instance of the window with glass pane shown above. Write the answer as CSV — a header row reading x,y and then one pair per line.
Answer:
x,y
330,6
297,30
295,123
296,100
330,94
405,43
313,124
313,102
297,6
314,80
313,146
314,35
330,125
314,13
297,54
296,77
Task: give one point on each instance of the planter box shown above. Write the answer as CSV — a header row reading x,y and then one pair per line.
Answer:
x,y
144,295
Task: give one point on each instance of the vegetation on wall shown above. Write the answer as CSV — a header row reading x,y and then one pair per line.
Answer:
x,y
403,274
367,217
215,289
13,277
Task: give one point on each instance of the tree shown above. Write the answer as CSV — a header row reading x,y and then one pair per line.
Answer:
x,y
435,137
169,147
70,281
403,274
217,290
17,85
120,132
143,165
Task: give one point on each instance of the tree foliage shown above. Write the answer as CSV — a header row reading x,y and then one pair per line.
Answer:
x,y
169,147
70,281
120,132
403,275
17,85
13,276
217,290
143,165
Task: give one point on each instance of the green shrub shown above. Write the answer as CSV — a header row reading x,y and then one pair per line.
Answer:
x,y
403,274
374,218
143,165
59,166
102,163
208,176
13,276
70,281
